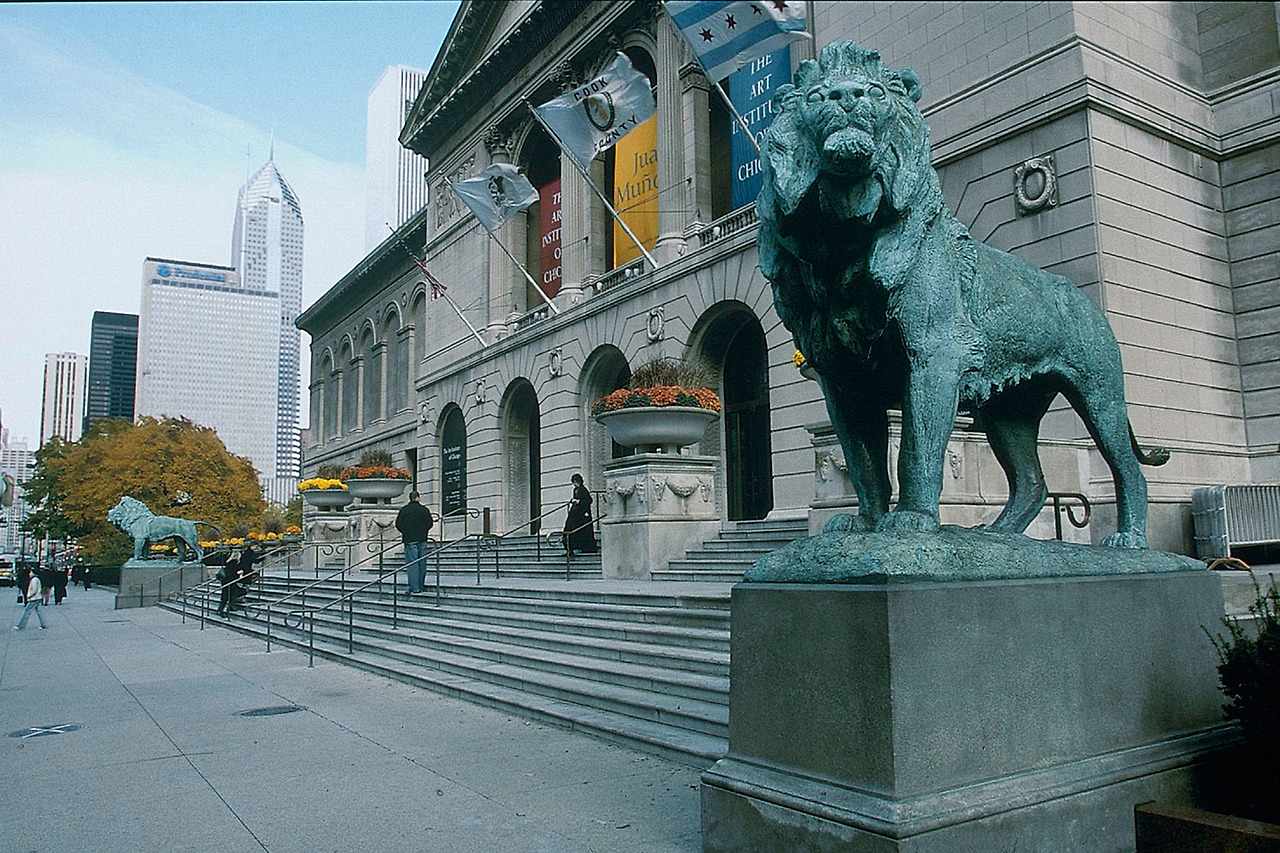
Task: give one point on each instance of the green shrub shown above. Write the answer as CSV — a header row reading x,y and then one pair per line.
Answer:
x,y
375,459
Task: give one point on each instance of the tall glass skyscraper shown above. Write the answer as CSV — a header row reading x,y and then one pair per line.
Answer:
x,y
113,362
266,250
66,378
396,183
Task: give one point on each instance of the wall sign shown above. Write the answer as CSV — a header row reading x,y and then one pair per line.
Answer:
x,y
751,90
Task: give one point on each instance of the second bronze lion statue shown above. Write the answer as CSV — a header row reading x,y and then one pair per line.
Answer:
x,y
896,306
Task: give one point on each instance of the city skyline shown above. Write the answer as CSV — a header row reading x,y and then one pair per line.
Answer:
x,y
100,126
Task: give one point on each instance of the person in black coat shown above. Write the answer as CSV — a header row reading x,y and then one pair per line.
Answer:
x,y
24,577
578,536
59,585
245,573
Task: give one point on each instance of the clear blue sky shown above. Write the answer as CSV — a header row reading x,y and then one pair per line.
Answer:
x,y
123,134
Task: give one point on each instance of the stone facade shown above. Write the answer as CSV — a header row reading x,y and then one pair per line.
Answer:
x,y
1132,147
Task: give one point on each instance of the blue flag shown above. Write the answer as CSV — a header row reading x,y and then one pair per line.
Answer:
x,y
727,35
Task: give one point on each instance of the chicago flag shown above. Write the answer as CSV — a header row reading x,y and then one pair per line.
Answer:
x,y
726,36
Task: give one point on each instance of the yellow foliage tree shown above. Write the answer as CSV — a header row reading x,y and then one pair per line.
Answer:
x,y
174,466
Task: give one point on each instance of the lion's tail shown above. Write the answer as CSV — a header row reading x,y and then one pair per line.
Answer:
x,y
218,530
1153,457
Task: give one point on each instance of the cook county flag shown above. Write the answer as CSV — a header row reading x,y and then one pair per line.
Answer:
x,y
595,115
726,36
496,194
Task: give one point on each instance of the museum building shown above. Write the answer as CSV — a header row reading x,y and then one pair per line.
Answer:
x,y
1132,147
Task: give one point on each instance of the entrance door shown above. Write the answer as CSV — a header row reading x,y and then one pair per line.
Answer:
x,y
748,448
523,438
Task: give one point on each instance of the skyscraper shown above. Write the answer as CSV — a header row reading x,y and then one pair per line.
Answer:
x,y
266,250
113,364
18,463
395,176
209,351
66,377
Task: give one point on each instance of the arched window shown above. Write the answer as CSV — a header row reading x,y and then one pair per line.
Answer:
x,y
350,389
372,378
397,355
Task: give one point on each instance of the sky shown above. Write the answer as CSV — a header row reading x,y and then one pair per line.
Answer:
x,y
127,129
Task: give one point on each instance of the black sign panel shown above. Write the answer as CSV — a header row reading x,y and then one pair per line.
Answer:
x,y
453,464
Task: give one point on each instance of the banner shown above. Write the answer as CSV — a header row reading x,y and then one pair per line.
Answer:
x,y
635,191
594,116
496,194
726,36
549,243
751,92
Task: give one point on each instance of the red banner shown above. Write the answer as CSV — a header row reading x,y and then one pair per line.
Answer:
x,y
549,261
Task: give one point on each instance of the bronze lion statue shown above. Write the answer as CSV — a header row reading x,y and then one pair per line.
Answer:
x,y
896,306
145,527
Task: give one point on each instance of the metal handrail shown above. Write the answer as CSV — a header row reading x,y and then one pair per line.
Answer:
x,y
1059,506
564,536
495,541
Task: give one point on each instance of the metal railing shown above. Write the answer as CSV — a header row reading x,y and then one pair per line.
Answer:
x,y
564,541
182,570
495,542
1060,505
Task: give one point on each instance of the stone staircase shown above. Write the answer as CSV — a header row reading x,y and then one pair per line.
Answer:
x,y
645,664
727,557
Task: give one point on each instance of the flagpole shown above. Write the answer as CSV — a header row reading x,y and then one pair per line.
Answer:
x,y
582,171
741,121
437,289
505,251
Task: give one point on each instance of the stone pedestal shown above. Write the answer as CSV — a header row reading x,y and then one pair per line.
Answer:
x,y
155,578
656,506
354,535
989,715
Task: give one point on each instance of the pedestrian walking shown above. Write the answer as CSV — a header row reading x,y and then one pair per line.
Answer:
x,y
59,585
35,602
414,523
24,577
578,535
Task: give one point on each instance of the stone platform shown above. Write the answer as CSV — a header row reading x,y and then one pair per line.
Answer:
x,y
1004,714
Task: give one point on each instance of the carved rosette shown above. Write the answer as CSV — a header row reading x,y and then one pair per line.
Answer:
x,y
1035,185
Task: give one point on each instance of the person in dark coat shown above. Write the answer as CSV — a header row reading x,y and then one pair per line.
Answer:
x,y
245,573
578,535
414,523
226,574
24,577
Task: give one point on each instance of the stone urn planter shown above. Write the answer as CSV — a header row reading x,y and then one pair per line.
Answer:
x,y
372,490
662,428
326,499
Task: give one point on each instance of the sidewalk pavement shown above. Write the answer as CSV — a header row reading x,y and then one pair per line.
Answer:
x,y
162,760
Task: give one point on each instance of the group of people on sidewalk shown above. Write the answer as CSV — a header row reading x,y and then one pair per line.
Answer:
x,y
414,523
36,588
235,573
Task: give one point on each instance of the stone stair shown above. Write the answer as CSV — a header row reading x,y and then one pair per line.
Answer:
x,y
727,557
646,664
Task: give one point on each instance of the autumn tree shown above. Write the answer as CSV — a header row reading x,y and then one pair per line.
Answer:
x,y
174,466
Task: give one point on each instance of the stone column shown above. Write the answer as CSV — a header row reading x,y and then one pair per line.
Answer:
x,y
672,177
502,272
357,365
316,434
575,213
340,377
696,141
381,350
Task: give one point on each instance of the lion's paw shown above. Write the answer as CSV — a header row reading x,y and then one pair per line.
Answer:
x,y
1125,539
847,523
907,521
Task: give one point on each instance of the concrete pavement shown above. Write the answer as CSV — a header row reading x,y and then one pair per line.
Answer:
x,y
163,761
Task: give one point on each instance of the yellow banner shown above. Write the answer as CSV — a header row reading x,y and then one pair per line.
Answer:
x,y
635,190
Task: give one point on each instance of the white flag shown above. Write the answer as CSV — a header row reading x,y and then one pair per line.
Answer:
x,y
595,115
726,36
496,194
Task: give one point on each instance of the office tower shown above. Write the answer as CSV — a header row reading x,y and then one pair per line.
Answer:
x,y
66,377
266,250
395,176
209,351
18,462
113,366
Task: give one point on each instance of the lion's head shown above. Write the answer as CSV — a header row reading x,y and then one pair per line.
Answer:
x,y
852,127
126,512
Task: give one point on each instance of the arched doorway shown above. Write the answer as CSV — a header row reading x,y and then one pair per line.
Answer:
x,y
453,462
733,339
606,370
522,445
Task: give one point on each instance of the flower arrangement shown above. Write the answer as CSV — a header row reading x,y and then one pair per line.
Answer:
x,y
293,530
374,465
798,360
321,483
663,382
372,472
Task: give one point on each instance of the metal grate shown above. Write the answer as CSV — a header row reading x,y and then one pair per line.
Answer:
x,y
272,711
1227,517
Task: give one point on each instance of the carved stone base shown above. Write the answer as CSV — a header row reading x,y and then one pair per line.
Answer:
x,y
656,506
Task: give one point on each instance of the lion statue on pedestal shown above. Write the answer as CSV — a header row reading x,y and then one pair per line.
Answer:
x,y
896,306
145,527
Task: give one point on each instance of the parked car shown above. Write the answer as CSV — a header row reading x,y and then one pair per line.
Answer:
x,y
8,569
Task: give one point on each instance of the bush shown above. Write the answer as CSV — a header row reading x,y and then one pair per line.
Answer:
x,y
681,373
327,472
1249,672
376,459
